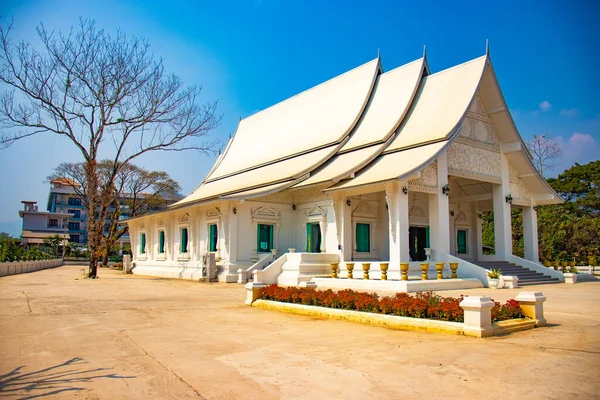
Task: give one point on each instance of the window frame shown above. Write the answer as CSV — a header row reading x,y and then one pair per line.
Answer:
x,y
271,239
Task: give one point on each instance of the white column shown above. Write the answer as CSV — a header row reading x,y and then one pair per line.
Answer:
x,y
530,234
439,213
398,227
476,250
233,220
346,234
502,214
323,229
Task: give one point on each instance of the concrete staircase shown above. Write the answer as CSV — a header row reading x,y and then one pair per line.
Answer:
x,y
302,267
526,276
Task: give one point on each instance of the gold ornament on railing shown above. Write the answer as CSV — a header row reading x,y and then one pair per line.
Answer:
x,y
384,269
440,269
350,268
366,267
424,269
453,268
404,270
334,270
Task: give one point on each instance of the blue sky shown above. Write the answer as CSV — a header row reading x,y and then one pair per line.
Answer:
x,y
250,54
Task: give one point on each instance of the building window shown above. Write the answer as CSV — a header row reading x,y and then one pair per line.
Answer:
x,y
213,234
143,244
73,226
161,242
74,238
52,223
184,240
363,238
265,238
74,201
461,241
76,213
313,238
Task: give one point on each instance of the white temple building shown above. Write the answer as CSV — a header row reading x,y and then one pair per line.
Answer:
x,y
373,166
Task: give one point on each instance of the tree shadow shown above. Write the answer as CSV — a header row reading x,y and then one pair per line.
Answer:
x,y
52,380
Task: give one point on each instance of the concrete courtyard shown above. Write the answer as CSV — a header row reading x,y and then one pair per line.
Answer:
x,y
127,337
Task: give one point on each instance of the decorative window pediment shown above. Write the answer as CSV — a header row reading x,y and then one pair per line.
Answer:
x,y
461,218
265,213
364,209
417,211
185,217
315,213
160,222
213,213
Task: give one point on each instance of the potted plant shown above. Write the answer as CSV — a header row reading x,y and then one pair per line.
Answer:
x,y
571,276
494,278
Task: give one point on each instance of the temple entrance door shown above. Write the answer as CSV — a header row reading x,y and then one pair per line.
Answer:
x,y
313,238
419,239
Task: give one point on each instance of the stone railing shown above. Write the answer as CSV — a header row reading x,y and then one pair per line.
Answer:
x,y
23,267
262,262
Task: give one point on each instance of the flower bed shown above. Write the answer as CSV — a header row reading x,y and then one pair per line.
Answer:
x,y
422,305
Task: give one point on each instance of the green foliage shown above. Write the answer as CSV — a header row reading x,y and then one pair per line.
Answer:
x,y
566,231
54,241
494,274
10,248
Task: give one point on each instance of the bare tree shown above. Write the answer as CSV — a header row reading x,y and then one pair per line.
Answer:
x,y
90,86
136,191
545,150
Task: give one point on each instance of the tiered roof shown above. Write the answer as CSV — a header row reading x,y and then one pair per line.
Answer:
x,y
362,128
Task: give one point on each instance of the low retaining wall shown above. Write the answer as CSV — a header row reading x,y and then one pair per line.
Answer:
x,y
23,267
477,317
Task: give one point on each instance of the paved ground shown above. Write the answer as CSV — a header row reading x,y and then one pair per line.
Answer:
x,y
125,337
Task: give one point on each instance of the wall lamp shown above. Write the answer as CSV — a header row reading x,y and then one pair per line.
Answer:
x,y
294,207
509,198
452,213
446,189
234,210
348,202
404,190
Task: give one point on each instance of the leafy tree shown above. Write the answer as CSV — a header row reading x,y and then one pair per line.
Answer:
x,y
10,248
92,88
54,241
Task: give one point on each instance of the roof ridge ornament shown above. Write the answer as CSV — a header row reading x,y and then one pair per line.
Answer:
x,y
487,47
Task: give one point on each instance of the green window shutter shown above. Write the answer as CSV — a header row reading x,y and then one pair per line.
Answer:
x,y
265,238
143,244
363,238
427,238
214,237
461,241
308,237
184,240
161,241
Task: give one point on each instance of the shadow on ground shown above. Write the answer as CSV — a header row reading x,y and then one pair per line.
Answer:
x,y
51,381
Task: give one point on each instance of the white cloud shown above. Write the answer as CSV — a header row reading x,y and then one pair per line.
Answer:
x,y
581,139
545,105
569,112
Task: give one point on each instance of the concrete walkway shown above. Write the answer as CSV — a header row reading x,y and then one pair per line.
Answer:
x,y
126,337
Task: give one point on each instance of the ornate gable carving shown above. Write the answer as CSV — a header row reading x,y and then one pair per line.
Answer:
x,y
472,162
265,213
427,182
160,222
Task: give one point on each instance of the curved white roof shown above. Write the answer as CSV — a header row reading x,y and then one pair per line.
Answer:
x,y
281,171
319,117
392,96
440,105
398,165
342,165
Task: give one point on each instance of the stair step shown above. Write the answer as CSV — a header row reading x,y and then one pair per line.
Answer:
x,y
526,276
